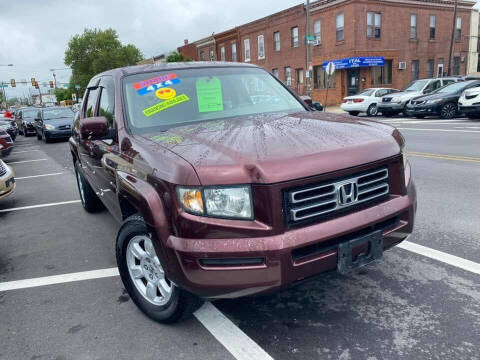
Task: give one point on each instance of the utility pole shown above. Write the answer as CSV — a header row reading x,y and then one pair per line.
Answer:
x,y
450,54
309,58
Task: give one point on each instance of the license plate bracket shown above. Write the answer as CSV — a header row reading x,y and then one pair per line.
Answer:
x,y
346,263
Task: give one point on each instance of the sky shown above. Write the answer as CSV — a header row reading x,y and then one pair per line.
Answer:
x,y
34,33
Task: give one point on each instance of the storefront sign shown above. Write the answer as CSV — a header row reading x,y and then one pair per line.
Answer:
x,y
355,62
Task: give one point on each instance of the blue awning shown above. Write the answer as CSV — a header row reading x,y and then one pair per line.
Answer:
x,y
355,62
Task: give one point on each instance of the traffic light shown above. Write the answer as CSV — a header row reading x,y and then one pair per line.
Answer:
x,y
51,83
12,82
36,85
33,81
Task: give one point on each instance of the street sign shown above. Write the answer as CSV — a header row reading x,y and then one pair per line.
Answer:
x,y
77,87
3,85
311,37
330,69
312,42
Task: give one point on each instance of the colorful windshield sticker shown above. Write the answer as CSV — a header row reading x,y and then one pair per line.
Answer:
x,y
155,87
155,80
152,110
209,94
172,139
165,93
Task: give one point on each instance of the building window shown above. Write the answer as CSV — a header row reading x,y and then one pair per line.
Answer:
x,y
320,78
440,67
413,26
261,47
299,75
382,75
456,65
458,29
430,68
222,53
295,36
275,72
317,31
288,75
340,27
374,23
202,55
276,41
415,67
246,46
433,20
212,55
234,52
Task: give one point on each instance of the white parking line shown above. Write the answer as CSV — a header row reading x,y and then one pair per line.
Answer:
x,y
36,176
25,161
229,335
39,206
446,130
441,256
20,152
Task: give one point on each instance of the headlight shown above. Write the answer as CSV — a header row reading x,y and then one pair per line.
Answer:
x,y
222,201
396,99
434,101
49,127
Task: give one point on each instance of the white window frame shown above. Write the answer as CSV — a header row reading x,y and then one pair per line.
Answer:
x,y
317,30
261,45
458,28
294,34
275,72
340,28
275,42
246,50
412,26
222,53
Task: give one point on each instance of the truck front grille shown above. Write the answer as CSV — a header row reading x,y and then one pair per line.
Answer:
x,y
316,201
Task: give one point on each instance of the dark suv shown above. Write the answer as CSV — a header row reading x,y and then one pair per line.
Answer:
x,y
227,184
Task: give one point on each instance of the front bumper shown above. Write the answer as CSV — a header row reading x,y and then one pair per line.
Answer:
x,y
424,110
361,107
7,185
58,134
473,109
287,258
390,107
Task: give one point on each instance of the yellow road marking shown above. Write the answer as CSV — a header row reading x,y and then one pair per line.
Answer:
x,y
445,157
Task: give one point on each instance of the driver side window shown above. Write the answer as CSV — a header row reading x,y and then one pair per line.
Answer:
x,y
91,102
434,85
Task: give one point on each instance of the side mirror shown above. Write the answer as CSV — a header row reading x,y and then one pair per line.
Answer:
x,y
94,128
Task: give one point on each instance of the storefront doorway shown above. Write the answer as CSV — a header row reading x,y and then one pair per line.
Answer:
x,y
353,81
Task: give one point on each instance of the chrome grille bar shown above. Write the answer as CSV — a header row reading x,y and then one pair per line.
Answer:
x,y
316,200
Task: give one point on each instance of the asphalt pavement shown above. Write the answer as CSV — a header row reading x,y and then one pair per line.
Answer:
x,y
405,306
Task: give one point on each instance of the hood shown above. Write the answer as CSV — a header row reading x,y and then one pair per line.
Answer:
x,y
405,94
59,122
436,96
270,148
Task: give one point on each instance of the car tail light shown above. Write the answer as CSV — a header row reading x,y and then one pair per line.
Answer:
x,y
344,101
357,100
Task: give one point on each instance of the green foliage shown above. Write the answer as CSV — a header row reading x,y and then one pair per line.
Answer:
x,y
96,51
63,94
177,57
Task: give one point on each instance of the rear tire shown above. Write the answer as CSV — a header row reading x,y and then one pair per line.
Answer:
x,y
353,113
448,111
141,271
90,201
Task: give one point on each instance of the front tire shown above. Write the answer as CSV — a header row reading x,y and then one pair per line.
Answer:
x,y
90,201
372,110
144,278
448,111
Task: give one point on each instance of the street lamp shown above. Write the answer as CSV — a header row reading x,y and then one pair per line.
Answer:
x,y
54,75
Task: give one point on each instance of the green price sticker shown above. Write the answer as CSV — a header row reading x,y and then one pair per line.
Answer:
x,y
209,95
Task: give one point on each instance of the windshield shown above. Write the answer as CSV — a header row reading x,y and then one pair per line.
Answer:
x,y
29,114
416,85
158,101
454,88
51,114
367,92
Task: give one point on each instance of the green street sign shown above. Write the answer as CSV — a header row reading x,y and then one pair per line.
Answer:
x,y
311,37
3,85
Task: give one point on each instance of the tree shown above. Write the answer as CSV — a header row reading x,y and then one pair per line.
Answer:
x,y
63,94
177,57
96,51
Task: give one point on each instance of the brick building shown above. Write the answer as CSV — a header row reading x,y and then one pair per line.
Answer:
x,y
411,37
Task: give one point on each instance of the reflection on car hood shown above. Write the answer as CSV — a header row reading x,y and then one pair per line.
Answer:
x,y
270,148
405,94
59,122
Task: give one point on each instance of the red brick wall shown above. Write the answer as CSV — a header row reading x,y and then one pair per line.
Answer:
x,y
188,51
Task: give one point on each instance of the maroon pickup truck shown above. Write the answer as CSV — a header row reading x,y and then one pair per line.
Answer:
x,y
227,184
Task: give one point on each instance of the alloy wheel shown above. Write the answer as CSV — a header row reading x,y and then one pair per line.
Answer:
x,y
448,111
146,271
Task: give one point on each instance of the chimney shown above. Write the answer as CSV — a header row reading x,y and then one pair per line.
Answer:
x,y
185,41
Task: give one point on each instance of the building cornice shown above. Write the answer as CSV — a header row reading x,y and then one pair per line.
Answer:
x,y
463,4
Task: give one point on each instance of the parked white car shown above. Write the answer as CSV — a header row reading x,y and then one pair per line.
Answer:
x,y
366,101
469,103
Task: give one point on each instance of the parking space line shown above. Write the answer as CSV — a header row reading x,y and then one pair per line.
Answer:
x,y
229,335
36,176
23,151
444,157
441,256
445,130
25,161
39,206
